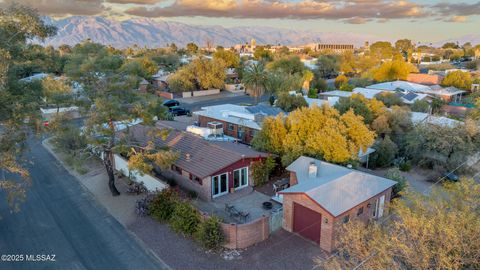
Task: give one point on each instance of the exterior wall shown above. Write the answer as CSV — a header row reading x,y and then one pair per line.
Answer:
x,y
329,230
150,182
427,79
204,189
164,94
200,93
326,231
248,134
245,235
293,178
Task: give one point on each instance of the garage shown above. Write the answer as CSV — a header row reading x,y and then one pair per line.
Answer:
x,y
307,222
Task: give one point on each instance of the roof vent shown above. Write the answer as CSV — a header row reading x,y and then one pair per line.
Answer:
x,y
312,170
187,156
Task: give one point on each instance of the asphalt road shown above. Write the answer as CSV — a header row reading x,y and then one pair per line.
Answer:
x,y
61,218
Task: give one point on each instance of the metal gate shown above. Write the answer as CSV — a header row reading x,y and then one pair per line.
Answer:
x,y
276,219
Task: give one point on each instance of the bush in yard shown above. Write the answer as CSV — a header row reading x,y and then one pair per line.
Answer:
x,y
163,205
185,218
395,175
261,170
405,166
210,233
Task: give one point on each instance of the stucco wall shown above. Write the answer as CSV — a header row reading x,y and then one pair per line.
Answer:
x,y
150,182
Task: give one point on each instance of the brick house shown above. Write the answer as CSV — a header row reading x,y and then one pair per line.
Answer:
x,y
322,196
209,168
426,79
240,122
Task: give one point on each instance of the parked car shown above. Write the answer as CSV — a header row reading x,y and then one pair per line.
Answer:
x,y
451,177
171,103
177,111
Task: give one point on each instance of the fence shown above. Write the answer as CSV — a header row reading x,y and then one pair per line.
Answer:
x,y
150,182
245,235
276,220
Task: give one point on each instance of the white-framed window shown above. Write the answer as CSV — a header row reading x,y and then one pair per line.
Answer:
x,y
240,178
219,185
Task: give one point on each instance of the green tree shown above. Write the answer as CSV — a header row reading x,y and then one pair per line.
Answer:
x,y
57,92
254,78
396,175
420,106
261,54
450,45
385,152
231,59
18,101
327,66
382,50
389,99
406,47
201,73
290,103
357,103
290,65
192,48
458,79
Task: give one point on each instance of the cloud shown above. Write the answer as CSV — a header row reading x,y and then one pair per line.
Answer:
x,y
457,9
140,2
64,7
458,19
352,11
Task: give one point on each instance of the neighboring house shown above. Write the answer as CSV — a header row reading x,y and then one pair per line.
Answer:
x,y
322,196
407,97
448,93
211,169
420,118
240,122
426,79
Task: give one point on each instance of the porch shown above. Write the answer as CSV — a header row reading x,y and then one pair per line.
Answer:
x,y
246,201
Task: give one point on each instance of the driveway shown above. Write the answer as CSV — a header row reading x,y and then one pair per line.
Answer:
x,y
60,217
281,251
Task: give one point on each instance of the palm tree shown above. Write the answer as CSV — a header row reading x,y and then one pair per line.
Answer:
x,y
254,78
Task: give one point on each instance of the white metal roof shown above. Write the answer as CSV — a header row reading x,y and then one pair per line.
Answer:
x,y
336,93
335,188
394,85
366,92
419,117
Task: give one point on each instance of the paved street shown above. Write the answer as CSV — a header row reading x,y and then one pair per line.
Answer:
x,y
60,217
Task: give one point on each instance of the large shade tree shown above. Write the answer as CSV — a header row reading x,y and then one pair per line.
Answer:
x,y
18,101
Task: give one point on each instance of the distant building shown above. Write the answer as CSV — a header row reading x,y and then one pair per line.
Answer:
x,y
445,93
239,122
426,79
337,48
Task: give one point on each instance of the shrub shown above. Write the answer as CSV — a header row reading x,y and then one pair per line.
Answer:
x,y
341,79
289,103
395,175
192,194
385,152
163,205
312,93
405,166
261,170
185,218
210,233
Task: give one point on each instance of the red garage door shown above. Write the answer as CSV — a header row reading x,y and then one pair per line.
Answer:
x,y
306,222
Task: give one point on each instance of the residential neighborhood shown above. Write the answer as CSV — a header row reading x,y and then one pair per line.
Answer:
x,y
205,146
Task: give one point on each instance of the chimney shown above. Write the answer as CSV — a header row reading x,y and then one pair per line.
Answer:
x,y
312,170
187,156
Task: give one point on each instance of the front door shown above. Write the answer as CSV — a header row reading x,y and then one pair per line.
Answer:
x,y
219,185
240,178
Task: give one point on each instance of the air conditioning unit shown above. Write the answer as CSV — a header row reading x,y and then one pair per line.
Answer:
x,y
216,128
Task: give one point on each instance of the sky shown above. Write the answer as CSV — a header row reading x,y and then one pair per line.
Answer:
x,y
420,20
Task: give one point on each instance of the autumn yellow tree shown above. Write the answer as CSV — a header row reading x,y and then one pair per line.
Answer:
x,y
320,132
439,231
393,70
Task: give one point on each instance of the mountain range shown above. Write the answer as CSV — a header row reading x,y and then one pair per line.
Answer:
x,y
151,33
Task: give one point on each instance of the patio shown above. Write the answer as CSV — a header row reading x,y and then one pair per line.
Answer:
x,y
245,201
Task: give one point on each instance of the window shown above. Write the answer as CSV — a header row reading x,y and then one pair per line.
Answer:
x,y
346,218
360,211
231,127
176,169
240,178
240,132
